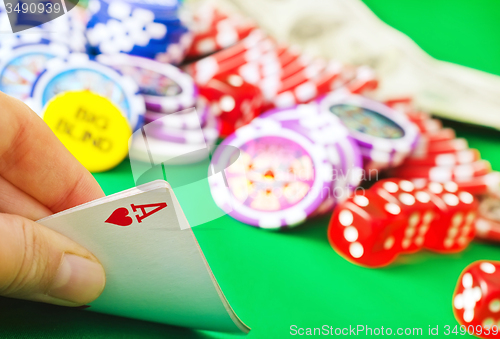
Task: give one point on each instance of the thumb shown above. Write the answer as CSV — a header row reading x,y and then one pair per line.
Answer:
x,y
39,264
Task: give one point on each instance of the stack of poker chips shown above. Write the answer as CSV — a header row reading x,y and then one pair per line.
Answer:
x,y
285,166
150,29
171,128
384,136
442,157
282,74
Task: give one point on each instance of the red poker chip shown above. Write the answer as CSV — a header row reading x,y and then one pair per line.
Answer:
x,y
402,104
423,150
222,34
428,125
303,67
445,159
364,81
444,174
441,135
205,17
246,50
334,77
485,184
488,223
287,55
418,116
298,90
489,183
487,229
257,54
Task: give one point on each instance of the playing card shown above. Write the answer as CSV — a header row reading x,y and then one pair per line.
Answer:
x,y
155,269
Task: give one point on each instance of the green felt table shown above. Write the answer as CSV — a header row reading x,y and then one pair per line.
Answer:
x,y
275,280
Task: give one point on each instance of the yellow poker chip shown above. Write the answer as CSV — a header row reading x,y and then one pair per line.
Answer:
x,y
91,127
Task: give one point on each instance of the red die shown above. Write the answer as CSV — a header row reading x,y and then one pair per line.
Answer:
x,y
365,228
236,102
416,205
476,300
454,229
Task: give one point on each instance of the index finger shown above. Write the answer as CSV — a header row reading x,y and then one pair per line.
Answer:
x,y
34,160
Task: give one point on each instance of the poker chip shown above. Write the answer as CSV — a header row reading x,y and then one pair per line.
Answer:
x,y
181,121
375,160
165,132
165,87
249,49
143,28
170,153
429,126
157,143
488,224
445,159
487,229
439,147
77,73
91,127
21,66
372,124
457,173
67,29
489,183
384,136
328,132
214,30
276,181
441,135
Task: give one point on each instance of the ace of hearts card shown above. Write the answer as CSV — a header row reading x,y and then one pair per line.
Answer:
x,y
155,268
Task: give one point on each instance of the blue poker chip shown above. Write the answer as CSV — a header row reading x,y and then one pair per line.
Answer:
x,y
78,72
68,29
21,66
142,28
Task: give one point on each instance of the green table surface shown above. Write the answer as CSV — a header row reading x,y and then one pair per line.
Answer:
x,y
277,279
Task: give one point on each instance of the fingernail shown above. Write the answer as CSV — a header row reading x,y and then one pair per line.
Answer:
x,y
78,280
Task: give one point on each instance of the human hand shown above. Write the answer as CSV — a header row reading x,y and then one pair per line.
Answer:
x,y
39,177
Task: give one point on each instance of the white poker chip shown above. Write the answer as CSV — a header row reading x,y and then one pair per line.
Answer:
x,y
77,73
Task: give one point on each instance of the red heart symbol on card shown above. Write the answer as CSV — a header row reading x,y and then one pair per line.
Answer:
x,y
120,217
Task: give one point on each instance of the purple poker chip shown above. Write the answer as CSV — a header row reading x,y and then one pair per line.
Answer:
x,y
207,133
165,88
327,131
181,121
277,179
379,160
374,160
372,124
